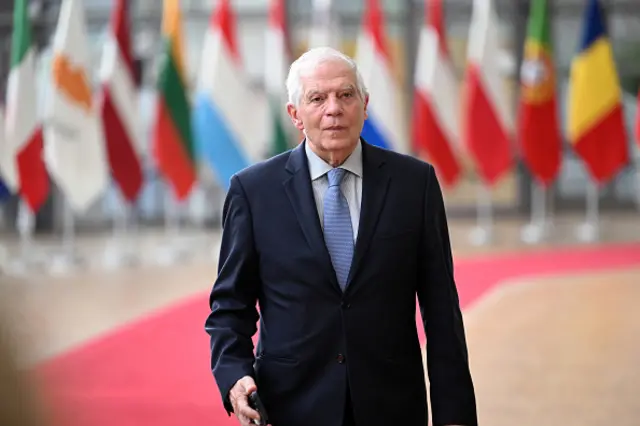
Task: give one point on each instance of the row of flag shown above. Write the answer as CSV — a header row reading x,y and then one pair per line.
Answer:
x,y
489,131
88,137
68,143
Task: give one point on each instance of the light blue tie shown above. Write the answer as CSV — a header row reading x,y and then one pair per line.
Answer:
x,y
338,233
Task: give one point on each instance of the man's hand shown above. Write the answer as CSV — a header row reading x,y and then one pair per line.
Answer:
x,y
238,396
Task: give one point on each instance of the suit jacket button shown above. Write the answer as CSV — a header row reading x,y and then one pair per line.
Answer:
x,y
346,305
340,359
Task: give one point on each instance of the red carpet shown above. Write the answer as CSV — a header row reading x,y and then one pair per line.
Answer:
x,y
156,371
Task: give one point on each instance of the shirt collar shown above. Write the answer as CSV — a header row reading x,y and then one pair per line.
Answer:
x,y
318,167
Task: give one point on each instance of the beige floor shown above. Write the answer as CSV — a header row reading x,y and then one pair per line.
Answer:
x,y
54,312
563,357
560,351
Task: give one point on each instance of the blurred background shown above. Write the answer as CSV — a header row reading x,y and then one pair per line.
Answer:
x,y
104,289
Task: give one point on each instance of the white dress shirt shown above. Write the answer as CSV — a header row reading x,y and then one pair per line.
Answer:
x,y
351,185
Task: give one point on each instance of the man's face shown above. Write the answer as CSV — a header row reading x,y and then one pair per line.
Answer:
x,y
331,112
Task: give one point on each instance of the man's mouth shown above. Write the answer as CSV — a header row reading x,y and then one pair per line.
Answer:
x,y
336,128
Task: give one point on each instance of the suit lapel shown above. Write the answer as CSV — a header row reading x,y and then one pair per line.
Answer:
x,y
300,193
375,182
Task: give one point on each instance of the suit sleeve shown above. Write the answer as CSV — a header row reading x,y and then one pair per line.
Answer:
x,y
233,317
451,387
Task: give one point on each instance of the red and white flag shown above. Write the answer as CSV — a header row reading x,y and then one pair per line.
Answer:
x,y
488,124
436,126
118,105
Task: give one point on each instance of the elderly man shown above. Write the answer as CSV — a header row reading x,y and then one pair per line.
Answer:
x,y
334,240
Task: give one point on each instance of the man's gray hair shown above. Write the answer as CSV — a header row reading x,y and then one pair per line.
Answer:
x,y
308,61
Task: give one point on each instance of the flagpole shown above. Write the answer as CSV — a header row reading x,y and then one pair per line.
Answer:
x,y
172,215
68,259
25,225
171,252
198,203
637,173
589,230
113,255
215,248
134,257
120,251
536,230
482,234
69,237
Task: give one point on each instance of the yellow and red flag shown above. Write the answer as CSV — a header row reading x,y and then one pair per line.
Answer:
x,y
595,117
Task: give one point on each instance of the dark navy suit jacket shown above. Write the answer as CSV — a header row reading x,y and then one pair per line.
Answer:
x,y
317,342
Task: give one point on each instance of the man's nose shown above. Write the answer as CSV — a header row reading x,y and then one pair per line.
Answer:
x,y
334,107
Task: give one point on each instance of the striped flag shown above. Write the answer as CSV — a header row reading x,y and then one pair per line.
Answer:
x,y
487,120
173,145
436,127
325,28
224,138
5,192
74,141
538,115
595,117
281,135
384,125
119,105
23,160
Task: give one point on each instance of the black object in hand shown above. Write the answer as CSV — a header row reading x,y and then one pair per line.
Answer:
x,y
256,404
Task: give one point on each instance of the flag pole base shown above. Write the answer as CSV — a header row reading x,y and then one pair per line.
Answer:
x,y
115,258
588,232
480,236
30,259
536,232
533,233
170,255
482,233
23,266
538,227
125,233
66,263
175,249
4,258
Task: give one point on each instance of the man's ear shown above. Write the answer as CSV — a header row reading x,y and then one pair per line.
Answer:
x,y
295,118
366,104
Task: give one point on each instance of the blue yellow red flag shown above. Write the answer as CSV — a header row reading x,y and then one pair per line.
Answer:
x,y
595,117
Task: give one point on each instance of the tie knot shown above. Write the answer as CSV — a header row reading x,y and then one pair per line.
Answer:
x,y
335,176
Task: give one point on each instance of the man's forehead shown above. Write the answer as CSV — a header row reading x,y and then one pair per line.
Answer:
x,y
329,79
328,86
